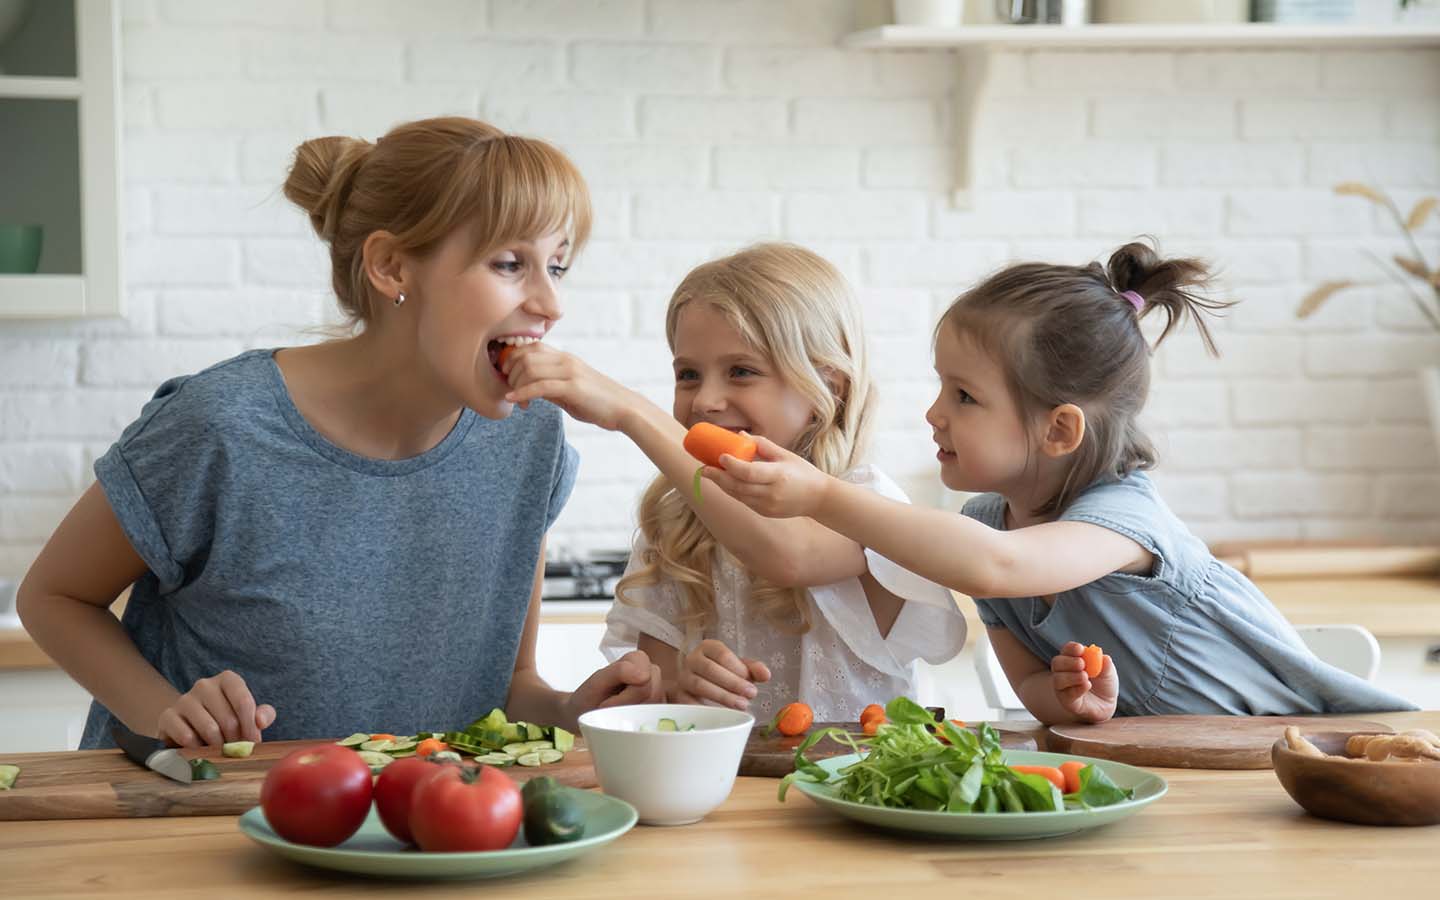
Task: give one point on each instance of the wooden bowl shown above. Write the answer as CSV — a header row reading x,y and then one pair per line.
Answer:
x,y
1361,791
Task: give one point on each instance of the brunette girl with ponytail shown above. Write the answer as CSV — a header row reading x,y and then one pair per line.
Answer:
x,y
1044,370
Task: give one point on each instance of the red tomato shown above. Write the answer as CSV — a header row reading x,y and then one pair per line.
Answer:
x,y
395,792
466,809
318,797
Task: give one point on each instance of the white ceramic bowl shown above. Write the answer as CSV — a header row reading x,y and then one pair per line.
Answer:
x,y
671,778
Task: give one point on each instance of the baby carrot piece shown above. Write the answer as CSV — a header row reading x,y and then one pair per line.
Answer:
x,y
382,737
1049,772
1094,660
708,443
793,719
1071,771
504,353
872,724
871,711
429,746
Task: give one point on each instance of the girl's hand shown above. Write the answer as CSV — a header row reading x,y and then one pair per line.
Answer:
x,y
712,673
215,711
777,484
632,678
1090,700
536,371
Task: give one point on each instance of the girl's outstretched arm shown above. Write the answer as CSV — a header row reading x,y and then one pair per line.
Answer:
x,y
787,553
953,550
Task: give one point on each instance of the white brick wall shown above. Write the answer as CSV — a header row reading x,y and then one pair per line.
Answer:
x,y
703,125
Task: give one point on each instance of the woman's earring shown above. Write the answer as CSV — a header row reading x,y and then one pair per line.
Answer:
x,y
399,298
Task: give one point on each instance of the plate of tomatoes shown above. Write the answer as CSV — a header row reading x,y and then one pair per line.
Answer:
x,y
425,819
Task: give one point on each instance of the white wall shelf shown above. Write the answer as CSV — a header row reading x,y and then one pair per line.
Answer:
x,y
974,45
1143,37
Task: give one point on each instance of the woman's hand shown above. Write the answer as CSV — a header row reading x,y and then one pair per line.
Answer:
x,y
1090,700
713,673
536,371
777,484
632,678
215,711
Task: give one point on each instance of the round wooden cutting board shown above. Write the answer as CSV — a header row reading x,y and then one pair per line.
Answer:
x,y
1193,742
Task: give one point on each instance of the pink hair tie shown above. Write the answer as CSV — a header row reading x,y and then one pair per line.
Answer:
x,y
1135,299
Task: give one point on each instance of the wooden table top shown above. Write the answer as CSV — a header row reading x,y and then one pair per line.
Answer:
x,y
1230,833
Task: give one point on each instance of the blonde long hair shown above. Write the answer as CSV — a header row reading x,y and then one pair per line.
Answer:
x,y
795,308
424,180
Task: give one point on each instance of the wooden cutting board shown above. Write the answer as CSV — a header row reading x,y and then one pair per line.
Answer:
x,y
1192,742
104,784
774,756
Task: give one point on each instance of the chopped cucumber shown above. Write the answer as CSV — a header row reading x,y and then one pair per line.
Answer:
x,y
379,745
203,770
512,733
496,759
551,814
238,749
515,749
402,745
534,732
8,774
375,760
531,746
666,725
400,754
564,740
443,755
530,759
550,756
354,740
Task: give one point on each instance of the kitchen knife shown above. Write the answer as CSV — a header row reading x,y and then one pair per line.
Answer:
x,y
152,754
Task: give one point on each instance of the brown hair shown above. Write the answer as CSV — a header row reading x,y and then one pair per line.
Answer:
x,y
421,182
795,308
1064,334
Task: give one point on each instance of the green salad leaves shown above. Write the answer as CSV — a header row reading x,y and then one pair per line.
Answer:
x,y
906,767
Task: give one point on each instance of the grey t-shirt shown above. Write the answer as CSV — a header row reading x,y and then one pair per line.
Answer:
x,y
1194,637
352,594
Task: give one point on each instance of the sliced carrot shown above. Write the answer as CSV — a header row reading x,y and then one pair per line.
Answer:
x,y
1094,660
1071,771
382,736
793,719
871,711
1049,772
708,443
429,746
872,724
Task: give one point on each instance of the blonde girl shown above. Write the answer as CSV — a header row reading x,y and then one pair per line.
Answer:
x,y
738,609
349,536
1043,371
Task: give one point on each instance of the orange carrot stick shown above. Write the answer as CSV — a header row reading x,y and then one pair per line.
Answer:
x,y
1049,772
1071,771
1094,660
708,443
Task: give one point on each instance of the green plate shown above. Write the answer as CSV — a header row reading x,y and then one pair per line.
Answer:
x,y
995,826
372,851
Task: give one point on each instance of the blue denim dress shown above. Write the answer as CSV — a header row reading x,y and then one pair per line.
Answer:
x,y
1193,637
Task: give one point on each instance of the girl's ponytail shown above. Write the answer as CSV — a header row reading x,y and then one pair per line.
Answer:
x,y
1166,284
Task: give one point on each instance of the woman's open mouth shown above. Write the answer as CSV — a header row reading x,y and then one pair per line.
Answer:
x,y
498,350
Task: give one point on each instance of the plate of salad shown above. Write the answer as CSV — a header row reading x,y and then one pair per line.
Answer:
x,y
953,782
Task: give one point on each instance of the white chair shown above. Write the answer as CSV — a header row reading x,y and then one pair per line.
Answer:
x,y
999,695
1350,648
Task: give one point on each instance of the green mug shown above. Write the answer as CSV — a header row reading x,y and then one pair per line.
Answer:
x,y
20,249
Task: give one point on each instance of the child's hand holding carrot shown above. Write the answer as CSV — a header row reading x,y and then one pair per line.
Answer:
x,y
536,371
1089,698
713,673
777,484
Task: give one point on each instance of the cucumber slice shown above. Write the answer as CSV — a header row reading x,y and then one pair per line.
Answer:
x,y
550,756
515,749
666,725
512,733
354,740
442,755
203,770
8,774
564,740
375,760
530,759
534,732
496,759
401,754
377,745
237,749
402,744
532,746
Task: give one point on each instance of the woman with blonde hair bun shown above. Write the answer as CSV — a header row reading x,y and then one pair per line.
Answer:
x,y
348,536
736,608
